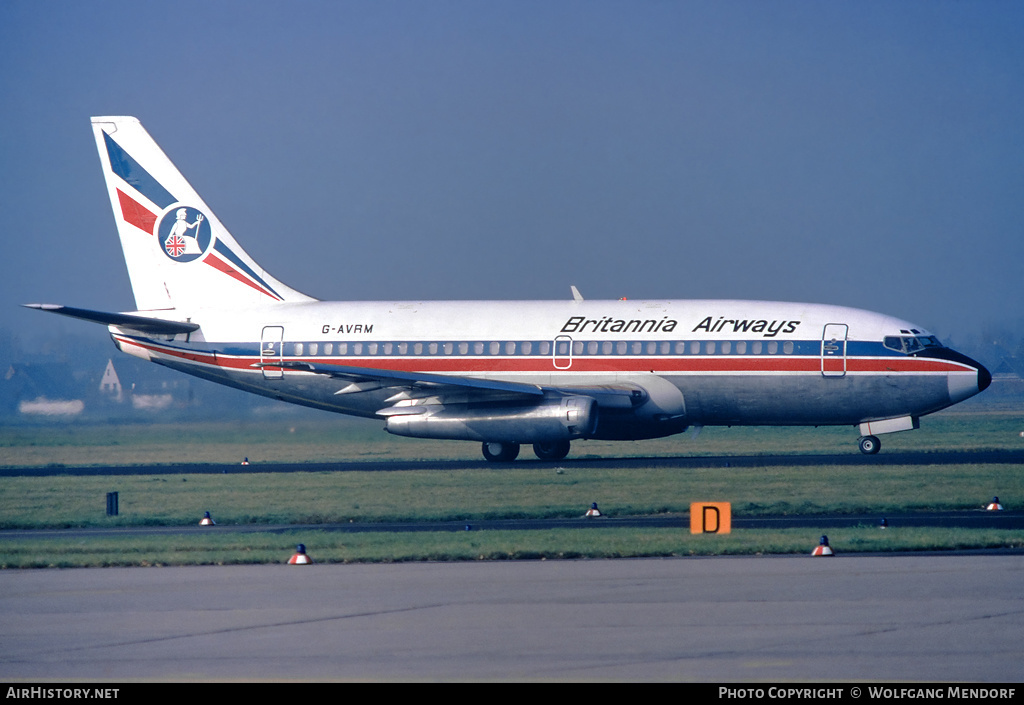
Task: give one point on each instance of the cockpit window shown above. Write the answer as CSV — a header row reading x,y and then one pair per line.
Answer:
x,y
911,343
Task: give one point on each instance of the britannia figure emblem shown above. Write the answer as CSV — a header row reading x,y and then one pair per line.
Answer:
x,y
185,235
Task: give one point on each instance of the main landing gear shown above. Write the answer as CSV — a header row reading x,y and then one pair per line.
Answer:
x,y
551,450
869,445
507,452
501,452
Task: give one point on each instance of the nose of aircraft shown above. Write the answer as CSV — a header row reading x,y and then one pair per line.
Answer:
x,y
963,386
984,377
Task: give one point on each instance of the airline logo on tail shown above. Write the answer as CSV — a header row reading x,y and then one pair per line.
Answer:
x,y
184,232
184,241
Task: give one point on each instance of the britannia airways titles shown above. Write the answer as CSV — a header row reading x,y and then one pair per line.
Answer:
x,y
768,329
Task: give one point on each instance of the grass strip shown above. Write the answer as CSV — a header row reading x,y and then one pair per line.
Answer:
x,y
509,492
386,547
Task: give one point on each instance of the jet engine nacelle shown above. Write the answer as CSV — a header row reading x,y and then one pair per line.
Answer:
x,y
560,419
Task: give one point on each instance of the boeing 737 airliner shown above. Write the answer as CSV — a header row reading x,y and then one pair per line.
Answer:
x,y
499,373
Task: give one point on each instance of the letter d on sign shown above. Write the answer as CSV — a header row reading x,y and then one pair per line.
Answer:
x,y
710,518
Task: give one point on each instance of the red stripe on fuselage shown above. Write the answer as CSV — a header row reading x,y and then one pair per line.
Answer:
x,y
135,213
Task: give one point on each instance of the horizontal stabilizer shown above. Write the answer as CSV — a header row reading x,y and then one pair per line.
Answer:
x,y
143,324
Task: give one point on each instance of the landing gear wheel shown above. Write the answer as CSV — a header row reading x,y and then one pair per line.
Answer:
x,y
551,450
869,445
501,452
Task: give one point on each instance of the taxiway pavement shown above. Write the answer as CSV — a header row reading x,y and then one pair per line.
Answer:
x,y
845,618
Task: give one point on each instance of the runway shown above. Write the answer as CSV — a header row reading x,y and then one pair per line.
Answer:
x,y
1001,457
803,619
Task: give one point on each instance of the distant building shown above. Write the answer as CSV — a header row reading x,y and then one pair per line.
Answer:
x,y
43,389
41,406
1008,367
151,402
110,384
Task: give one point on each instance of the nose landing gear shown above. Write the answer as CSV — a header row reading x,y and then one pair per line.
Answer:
x,y
869,445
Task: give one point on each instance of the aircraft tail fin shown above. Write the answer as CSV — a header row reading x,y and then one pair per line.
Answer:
x,y
178,253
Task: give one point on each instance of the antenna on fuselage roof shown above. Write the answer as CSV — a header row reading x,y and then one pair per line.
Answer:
x,y
576,295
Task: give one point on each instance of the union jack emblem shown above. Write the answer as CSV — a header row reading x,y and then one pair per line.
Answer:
x,y
175,245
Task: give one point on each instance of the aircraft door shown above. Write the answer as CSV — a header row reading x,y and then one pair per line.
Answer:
x,y
833,350
271,351
562,352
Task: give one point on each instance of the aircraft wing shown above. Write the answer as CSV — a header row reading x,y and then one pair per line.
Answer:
x,y
144,324
369,378
358,378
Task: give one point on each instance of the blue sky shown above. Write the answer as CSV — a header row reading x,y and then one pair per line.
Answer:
x,y
868,154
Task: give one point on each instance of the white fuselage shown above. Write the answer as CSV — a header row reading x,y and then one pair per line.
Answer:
x,y
700,362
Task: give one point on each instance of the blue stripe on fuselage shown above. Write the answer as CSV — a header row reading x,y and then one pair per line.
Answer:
x,y
801,348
